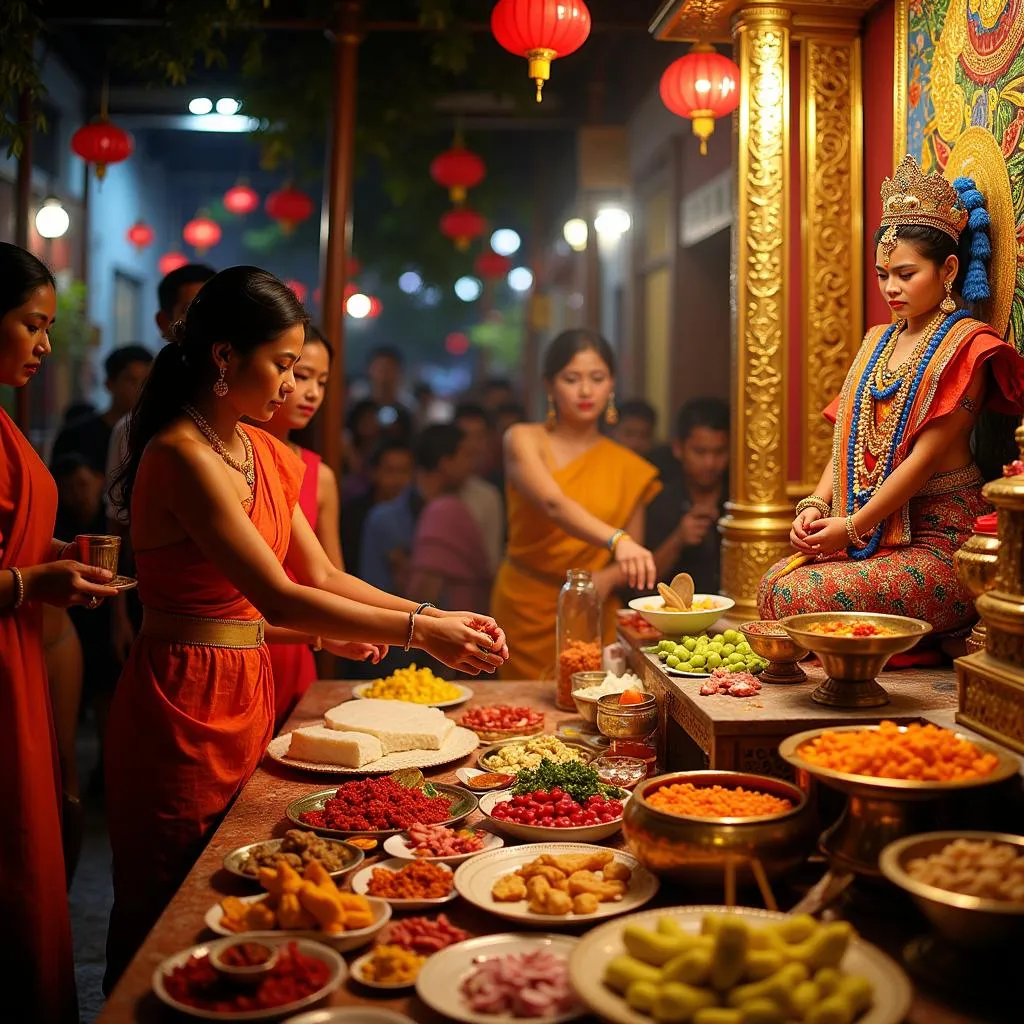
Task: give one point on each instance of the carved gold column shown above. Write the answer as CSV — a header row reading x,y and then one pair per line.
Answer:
x,y
758,516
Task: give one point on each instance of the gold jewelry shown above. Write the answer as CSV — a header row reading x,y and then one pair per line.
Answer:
x,y
613,540
248,467
220,388
551,420
851,532
611,414
912,197
948,304
19,588
813,501
94,602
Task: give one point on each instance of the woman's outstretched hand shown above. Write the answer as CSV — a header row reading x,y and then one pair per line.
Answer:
x,y
465,641
637,564
354,651
67,582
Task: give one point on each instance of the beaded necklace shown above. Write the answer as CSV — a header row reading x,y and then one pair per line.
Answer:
x,y
247,467
883,440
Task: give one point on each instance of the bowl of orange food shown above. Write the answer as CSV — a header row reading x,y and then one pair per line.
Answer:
x,y
706,610
854,648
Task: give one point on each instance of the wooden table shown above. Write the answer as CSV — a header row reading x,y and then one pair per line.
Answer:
x,y
258,813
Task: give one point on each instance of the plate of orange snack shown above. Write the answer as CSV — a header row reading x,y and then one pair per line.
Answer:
x,y
308,906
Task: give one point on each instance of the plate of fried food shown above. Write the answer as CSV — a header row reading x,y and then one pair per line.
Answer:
x,y
296,848
569,881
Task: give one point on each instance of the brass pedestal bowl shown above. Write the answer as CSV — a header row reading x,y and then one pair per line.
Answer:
x,y
853,662
697,850
879,811
771,642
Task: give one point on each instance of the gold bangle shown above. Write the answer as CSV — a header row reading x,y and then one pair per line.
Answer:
x,y
815,502
851,532
613,541
19,588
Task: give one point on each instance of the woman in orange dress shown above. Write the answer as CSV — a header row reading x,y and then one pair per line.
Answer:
x,y
36,971
575,499
221,550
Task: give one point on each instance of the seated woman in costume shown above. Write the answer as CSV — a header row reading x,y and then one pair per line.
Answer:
x,y
902,493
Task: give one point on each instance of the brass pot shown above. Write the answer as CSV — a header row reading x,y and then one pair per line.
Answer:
x,y
695,850
976,563
626,721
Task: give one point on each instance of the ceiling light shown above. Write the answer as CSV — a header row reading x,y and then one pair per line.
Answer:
x,y
505,241
520,279
52,220
200,105
227,106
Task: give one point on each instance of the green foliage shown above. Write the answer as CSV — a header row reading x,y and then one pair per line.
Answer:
x,y
20,27
71,333
501,335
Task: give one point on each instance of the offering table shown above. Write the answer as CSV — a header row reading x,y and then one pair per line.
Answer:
x,y
259,813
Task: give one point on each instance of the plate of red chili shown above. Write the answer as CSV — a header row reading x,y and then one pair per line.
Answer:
x,y
305,973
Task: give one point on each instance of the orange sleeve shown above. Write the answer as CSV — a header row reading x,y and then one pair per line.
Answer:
x,y
831,411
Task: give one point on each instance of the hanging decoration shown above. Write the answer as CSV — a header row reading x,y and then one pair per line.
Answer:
x,y
462,225
141,235
298,288
171,261
703,86
100,142
540,31
201,233
353,268
288,206
491,266
457,170
456,344
241,200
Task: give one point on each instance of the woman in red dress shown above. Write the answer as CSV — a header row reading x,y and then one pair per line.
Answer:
x,y
36,972
222,549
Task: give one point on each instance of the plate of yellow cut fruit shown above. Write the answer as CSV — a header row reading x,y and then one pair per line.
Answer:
x,y
415,686
711,964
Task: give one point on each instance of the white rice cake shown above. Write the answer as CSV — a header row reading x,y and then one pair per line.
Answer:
x,y
397,724
321,745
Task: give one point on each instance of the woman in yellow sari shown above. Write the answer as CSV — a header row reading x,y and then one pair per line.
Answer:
x,y
575,500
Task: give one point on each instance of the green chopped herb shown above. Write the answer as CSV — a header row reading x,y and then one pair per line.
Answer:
x,y
579,780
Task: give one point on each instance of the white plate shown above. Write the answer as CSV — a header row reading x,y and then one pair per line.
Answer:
x,y
357,968
338,974
458,743
398,846
361,885
465,693
542,833
342,941
465,774
439,981
893,992
475,878
350,1015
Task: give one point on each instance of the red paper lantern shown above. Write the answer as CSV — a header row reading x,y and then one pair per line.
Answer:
x,y
141,235
241,200
171,261
462,225
102,143
540,31
492,266
353,268
316,296
376,306
702,86
349,290
299,289
457,169
456,344
201,233
288,207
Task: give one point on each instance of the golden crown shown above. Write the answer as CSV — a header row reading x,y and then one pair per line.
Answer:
x,y
911,197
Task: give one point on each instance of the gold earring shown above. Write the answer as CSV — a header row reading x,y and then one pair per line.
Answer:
x,y
551,420
611,414
948,304
220,388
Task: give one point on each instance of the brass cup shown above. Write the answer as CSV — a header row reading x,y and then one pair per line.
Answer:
x,y
99,549
976,563
780,650
626,721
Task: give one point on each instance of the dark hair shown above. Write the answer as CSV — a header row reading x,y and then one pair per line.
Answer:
x,y
121,358
437,442
561,351
356,413
473,411
169,286
69,462
511,409
393,444
933,245
638,409
711,413
315,335
385,352
497,382
243,306
77,411
20,275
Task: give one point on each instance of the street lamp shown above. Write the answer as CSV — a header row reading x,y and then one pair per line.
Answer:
x,y
575,232
52,220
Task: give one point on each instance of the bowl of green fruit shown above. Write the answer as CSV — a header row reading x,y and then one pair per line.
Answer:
x,y
699,656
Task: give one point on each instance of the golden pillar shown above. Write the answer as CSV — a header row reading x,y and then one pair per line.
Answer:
x,y
755,528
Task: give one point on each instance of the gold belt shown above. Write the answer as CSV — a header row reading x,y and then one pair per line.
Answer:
x,y
238,634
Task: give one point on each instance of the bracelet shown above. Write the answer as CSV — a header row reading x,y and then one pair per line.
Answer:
x,y
813,501
614,539
423,606
19,589
851,532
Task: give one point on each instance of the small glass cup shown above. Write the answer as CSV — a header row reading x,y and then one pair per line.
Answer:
x,y
624,772
99,549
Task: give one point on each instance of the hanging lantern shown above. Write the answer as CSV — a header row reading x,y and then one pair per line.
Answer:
x,y
491,266
349,290
540,31
141,235
353,268
241,200
457,169
201,233
102,143
462,225
702,86
298,288
171,261
288,207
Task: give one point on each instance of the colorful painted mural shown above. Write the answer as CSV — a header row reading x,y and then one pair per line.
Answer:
x,y
964,69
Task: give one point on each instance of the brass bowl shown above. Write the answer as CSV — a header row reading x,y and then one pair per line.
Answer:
x,y
976,562
626,721
853,662
586,706
780,650
695,850
963,920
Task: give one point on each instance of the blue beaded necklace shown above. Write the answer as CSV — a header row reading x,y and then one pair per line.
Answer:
x,y
857,498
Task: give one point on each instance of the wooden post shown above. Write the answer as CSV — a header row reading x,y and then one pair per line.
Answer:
x,y
337,220
22,209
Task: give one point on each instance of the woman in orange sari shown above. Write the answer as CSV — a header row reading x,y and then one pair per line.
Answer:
x,y
575,500
36,973
221,550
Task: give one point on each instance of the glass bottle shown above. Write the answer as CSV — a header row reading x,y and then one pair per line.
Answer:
x,y
578,633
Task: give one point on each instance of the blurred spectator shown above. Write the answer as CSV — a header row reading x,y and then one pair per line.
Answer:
x,y
681,521
125,370
483,499
496,392
430,408
362,438
391,470
384,380
636,426
508,415
77,411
